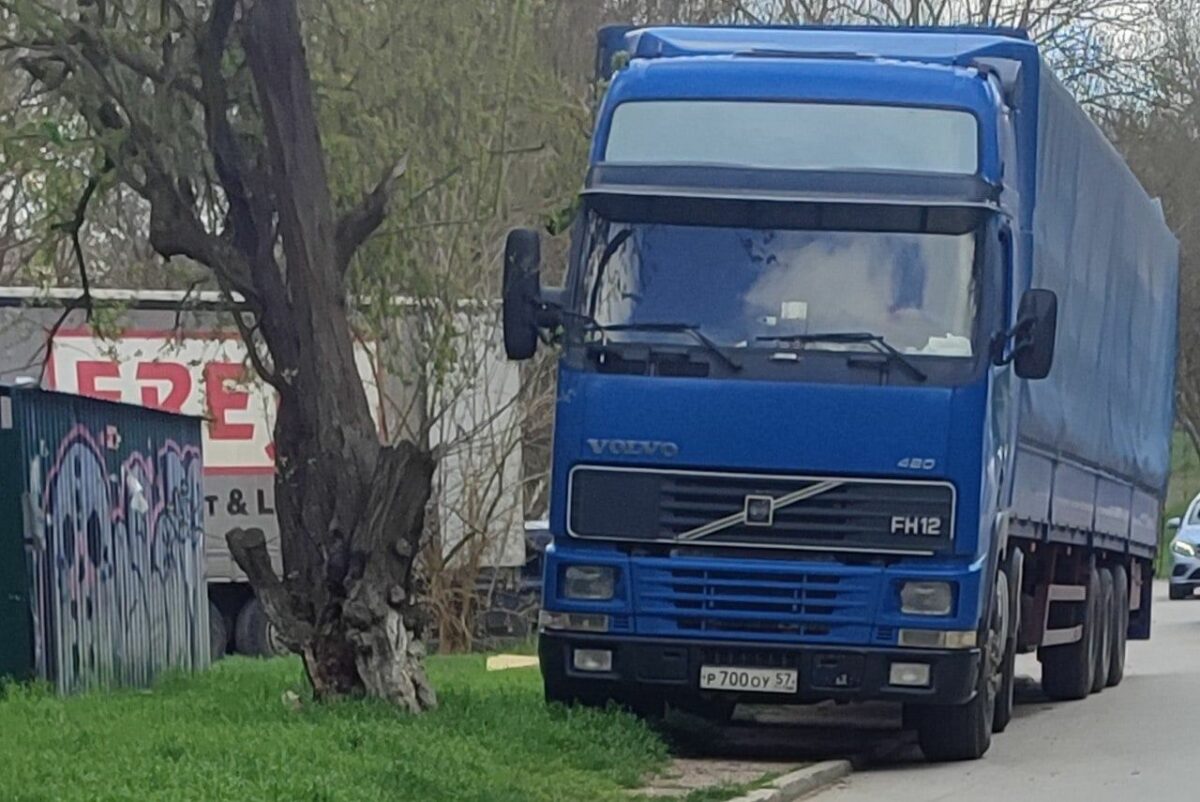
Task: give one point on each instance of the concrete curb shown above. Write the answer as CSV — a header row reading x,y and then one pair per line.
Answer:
x,y
798,783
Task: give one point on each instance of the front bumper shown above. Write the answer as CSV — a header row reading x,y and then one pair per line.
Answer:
x,y
1185,571
825,672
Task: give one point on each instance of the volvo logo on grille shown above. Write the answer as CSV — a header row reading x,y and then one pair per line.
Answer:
x,y
759,510
634,448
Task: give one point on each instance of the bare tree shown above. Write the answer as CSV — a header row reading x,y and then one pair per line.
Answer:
x,y
206,111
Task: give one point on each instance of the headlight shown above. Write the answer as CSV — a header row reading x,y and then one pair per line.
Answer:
x,y
1186,549
589,582
926,598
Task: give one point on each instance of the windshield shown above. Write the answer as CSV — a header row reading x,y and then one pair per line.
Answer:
x,y
743,286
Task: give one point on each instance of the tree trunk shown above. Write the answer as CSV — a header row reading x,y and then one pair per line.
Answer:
x,y
355,639
351,511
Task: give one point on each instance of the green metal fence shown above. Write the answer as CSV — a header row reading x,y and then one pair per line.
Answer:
x,y
101,541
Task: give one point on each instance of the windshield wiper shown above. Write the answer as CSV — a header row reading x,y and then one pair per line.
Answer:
x,y
610,250
683,328
876,341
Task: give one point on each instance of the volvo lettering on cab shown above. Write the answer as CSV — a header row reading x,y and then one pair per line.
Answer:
x,y
634,448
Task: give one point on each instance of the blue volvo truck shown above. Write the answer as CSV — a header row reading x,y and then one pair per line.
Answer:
x,y
866,362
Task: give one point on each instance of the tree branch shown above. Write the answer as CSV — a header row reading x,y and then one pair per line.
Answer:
x,y
250,213
356,225
72,228
248,334
249,550
176,231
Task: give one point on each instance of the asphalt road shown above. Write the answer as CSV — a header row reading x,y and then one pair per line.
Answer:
x,y
1134,743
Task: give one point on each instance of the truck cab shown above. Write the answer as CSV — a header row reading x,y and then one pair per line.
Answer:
x,y
794,328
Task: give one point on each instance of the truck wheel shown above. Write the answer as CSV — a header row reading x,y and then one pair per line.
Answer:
x,y
253,633
1120,629
964,732
218,635
1177,593
1068,670
1008,670
1104,627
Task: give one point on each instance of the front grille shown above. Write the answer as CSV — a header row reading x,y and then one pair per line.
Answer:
x,y
758,510
759,600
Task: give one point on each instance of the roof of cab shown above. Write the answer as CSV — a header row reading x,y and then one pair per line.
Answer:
x,y
936,45
948,45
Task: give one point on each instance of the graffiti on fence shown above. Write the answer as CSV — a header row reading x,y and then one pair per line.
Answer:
x,y
117,548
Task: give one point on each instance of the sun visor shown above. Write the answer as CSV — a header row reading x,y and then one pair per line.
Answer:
x,y
813,186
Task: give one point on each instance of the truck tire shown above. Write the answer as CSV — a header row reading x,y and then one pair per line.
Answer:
x,y
253,634
1104,631
218,635
1068,670
1014,570
964,732
1120,636
1176,593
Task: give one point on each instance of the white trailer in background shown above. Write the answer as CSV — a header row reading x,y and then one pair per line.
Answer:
x,y
180,352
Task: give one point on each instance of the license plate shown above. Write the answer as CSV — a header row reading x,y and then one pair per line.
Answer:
x,y
757,680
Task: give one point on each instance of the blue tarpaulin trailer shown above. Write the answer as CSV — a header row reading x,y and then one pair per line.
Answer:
x,y
101,542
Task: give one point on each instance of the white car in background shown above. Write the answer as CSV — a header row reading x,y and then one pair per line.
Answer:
x,y
1185,552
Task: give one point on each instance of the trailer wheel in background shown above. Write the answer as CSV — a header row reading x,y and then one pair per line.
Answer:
x,y
218,634
1068,670
1120,628
253,633
1104,631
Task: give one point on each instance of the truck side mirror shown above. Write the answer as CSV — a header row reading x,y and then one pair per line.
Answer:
x,y
1174,523
521,291
1037,327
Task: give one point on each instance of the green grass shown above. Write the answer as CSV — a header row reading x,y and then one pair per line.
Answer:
x,y
227,735
721,793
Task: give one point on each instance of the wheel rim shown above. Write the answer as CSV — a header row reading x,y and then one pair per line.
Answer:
x,y
998,637
275,642
1106,616
1106,642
